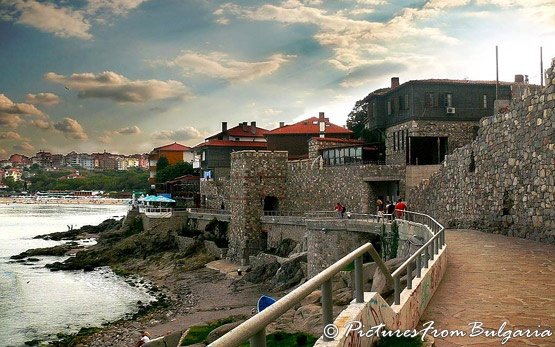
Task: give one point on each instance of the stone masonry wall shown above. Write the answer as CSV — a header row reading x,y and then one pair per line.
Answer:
x,y
313,188
215,192
254,175
458,133
502,182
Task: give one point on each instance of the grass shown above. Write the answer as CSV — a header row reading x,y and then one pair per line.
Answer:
x,y
199,333
399,342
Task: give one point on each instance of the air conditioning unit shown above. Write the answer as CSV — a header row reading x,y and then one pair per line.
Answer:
x,y
450,110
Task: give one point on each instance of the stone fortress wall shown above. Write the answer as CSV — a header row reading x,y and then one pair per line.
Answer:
x,y
502,182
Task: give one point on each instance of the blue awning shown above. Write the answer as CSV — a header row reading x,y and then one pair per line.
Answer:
x,y
156,198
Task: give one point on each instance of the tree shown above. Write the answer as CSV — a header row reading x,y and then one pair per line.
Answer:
x,y
356,120
12,184
162,163
172,171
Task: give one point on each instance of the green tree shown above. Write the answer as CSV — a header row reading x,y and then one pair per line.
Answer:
x,y
162,163
356,119
12,184
172,171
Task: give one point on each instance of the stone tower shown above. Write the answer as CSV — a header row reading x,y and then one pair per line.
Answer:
x,y
258,183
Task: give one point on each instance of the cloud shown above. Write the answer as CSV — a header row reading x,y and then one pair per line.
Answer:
x,y
24,147
107,136
10,135
11,113
183,134
63,21
114,7
354,42
43,98
47,17
129,130
71,129
220,65
111,85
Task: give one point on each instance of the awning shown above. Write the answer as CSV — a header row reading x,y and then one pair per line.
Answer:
x,y
156,198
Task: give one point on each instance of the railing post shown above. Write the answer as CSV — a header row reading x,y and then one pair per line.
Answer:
x,y
431,250
397,289
258,339
327,306
426,257
418,265
409,276
436,243
359,286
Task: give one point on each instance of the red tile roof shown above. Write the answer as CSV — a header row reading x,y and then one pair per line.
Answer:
x,y
226,143
239,132
309,126
173,147
335,139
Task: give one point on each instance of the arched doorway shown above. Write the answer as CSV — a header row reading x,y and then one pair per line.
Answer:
x,y
271,203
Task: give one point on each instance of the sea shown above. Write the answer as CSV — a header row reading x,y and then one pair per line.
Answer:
x,y
36,303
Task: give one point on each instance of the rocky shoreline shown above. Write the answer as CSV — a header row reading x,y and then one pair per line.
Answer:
x,y
185,292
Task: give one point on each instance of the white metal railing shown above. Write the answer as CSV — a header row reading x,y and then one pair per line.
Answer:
x,y
255,327
420,259
209,211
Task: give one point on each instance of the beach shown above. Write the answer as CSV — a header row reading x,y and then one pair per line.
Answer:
x,y
66,201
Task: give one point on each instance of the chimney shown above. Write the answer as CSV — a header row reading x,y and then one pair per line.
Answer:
x,y
519,78
281,124
224,126
244,125
253,128
394,82
322,124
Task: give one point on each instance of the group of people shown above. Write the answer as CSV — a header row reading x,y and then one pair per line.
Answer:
x,y
392,209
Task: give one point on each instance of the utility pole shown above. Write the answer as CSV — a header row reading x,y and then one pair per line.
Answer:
x,y
496,73
541,66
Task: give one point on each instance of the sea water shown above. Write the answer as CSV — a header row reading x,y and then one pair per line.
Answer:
x,y
36,303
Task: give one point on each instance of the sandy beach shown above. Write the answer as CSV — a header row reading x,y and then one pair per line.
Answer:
x,y
58,201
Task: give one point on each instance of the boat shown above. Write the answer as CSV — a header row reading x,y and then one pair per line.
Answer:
x,y
263,302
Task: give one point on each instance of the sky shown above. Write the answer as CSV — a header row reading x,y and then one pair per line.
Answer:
x,y
129,75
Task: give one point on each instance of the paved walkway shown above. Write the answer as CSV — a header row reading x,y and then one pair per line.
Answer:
x,y
494,279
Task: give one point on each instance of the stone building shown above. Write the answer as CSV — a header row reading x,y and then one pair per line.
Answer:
x,y
424,120
503,181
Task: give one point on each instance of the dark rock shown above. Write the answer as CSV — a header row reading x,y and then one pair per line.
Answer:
x,y
262,273
379,283
285,248
290,273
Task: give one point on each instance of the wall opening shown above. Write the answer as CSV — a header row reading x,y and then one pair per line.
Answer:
x,y
427,150
508,203
271,203
472,165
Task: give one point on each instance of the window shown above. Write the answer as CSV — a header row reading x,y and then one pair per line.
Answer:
x,y
485,100
449,100
402,139
401,103
395,141
406,101
429,99
389,107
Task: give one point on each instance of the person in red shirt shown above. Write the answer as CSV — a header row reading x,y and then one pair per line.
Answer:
x,y
400,207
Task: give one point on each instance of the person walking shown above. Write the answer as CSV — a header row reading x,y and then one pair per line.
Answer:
x,y
379,207
400,208
339,210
